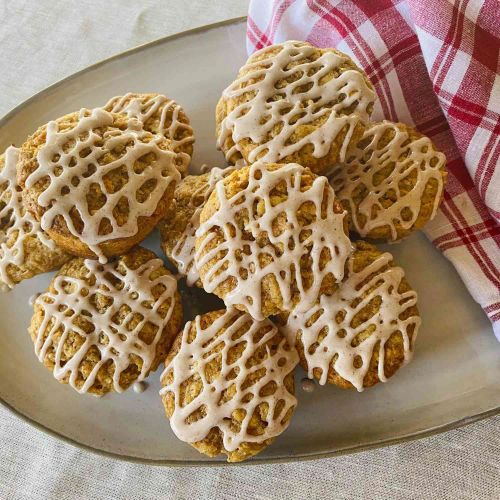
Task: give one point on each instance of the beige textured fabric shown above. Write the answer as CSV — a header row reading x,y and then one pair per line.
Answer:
x,y
43,41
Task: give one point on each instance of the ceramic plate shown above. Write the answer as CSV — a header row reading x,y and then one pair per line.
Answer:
x,y
453,379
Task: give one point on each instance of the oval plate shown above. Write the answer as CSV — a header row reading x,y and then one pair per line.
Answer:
x,y
454,378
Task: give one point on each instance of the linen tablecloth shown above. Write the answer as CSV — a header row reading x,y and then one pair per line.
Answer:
x,y
43,41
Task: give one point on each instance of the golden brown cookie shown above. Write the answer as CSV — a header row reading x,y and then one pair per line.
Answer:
x,y
228,384
271,237
364,332
293,102
97,182
177,230
159,115
25,250
102,327
392,182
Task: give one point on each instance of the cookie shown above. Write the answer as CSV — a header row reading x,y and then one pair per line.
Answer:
x,y
228,384
159,115
97,182
392,182
365,331
293,102
25,251
102,327
177,230
271,237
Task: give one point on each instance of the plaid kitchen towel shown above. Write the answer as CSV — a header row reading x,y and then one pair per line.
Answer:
x,y
434,64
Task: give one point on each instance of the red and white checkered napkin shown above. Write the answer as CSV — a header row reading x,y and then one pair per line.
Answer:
x,y
433,64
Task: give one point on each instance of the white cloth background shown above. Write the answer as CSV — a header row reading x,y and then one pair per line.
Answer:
x,y
42,41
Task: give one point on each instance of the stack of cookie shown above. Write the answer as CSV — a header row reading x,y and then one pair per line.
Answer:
x,y
276,235
81,193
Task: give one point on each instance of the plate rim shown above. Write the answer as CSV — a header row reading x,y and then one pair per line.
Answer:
x,y
257,460
206,27
456,424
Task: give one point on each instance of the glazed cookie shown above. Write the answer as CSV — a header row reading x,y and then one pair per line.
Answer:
x,y
365,331
177,230
392,183
271,237
97,182
102,327
293,102
25,250
159,115
228,384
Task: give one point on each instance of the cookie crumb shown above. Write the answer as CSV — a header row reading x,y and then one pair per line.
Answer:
x,y
307,385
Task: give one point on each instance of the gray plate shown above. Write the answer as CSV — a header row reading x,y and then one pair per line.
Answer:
x,y
455,375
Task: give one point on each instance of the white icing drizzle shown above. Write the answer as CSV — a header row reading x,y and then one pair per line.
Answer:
x,y
32,299
183,251
139,387
61,310
240,163
368,159
69,189
144,109
217,340
239,254
15,221
385,322
271,106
